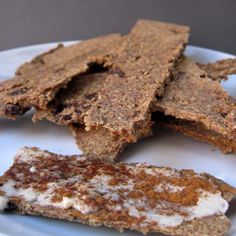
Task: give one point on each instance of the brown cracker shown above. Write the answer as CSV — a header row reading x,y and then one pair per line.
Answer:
x,y
98,143
219,70
142,68
192,96
36,83
71,104
101,143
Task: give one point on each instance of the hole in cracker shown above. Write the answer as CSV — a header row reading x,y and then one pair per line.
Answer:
x,y
96,68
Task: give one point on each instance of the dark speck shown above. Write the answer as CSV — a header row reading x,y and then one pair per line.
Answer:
x,y
18,91
90,96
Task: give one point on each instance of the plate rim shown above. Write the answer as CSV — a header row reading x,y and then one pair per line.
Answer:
x,y
70,42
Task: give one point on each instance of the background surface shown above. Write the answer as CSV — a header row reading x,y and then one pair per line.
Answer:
x,y
25,22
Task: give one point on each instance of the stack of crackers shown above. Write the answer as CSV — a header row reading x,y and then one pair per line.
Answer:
x,y
112,91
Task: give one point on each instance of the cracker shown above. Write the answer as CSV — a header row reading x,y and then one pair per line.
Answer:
x,y
36,83
219,70
122,196
193,96
142,69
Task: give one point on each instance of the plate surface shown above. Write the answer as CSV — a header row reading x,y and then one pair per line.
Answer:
x,y
163,149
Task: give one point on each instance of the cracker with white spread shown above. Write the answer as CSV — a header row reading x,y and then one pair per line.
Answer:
x,y
123,196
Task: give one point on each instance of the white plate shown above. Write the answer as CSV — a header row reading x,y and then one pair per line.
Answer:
x,y
163,149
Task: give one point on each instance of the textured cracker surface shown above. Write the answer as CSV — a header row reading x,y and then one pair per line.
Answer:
x,y
143,67
98,143
71,104
191,95
36,83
